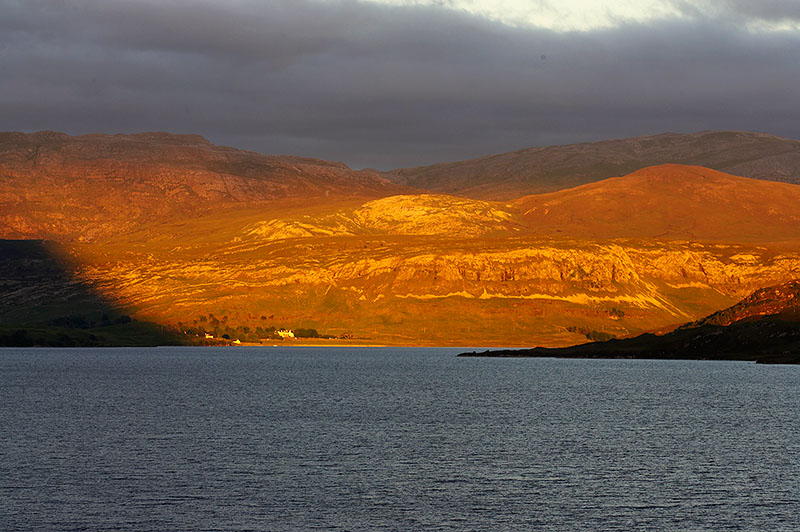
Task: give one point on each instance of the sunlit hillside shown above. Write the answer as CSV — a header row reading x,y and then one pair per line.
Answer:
x,y
670,201
87,187
376,263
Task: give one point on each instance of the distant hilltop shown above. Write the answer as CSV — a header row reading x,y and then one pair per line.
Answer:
x,y
83,187
536,170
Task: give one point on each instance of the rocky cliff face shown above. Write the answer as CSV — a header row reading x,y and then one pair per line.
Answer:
x,y
536,170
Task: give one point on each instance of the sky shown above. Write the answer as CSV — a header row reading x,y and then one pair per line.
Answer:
x,y
398,83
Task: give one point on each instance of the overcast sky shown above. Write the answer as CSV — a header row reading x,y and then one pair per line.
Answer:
x,y
390,83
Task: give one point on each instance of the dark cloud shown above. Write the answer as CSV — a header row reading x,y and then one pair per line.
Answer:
x,y
383,86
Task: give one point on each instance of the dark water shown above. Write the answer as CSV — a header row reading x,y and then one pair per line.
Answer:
x,y
392,439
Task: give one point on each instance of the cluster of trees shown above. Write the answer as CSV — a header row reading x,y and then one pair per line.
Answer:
x,y
595,336
616,313
220,328
78,321
27,338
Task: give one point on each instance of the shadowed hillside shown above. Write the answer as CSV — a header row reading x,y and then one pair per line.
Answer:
x,y
43,303
536,170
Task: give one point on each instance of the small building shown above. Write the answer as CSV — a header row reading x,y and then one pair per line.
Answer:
x,y
209,335
283,333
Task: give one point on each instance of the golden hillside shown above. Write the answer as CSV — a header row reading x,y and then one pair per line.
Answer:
x,y
455,272
670,201
299,243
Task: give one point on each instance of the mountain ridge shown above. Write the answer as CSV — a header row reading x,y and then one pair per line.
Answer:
x,y
534,170
85,187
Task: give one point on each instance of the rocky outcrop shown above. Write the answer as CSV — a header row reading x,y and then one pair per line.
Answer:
x,y
764,327
769,301
421,214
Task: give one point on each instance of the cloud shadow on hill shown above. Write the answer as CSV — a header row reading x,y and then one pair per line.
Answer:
x,y
44,303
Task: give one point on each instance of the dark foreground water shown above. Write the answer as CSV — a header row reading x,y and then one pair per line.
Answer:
x,y
392,439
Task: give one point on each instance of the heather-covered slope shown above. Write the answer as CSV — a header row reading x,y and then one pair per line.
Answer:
x,y
670,201
535,170
56,186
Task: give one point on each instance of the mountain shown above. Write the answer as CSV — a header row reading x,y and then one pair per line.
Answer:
x,y
670,202
86,187
764,327
535,170
666,202
192,238
424,269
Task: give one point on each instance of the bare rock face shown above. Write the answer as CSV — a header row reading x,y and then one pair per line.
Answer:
x,y
536,170
56,186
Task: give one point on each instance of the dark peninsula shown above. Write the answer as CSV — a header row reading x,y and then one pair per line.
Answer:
x,y
764,328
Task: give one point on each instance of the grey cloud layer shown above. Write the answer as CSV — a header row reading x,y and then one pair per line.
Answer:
x,y
747,10
381,86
